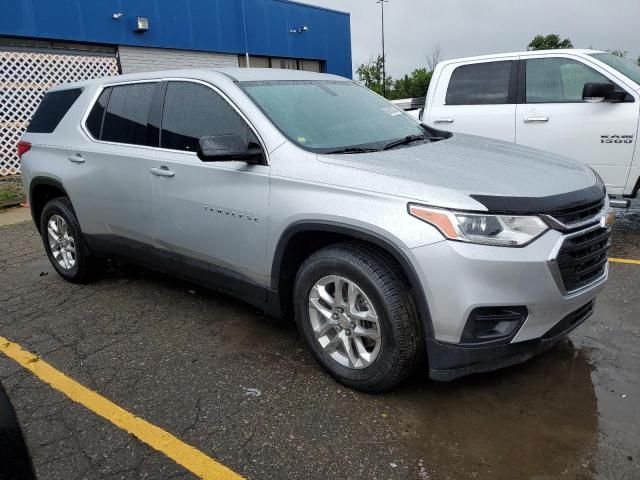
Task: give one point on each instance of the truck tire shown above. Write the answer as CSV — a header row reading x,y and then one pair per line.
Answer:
x,y
355,312
65,244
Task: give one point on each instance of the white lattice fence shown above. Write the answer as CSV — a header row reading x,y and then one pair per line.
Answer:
x,y
24,77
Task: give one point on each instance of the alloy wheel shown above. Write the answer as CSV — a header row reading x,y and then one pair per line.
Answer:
x,y
344,322
61,241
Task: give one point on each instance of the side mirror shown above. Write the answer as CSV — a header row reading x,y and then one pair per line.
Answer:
x,y
228,147
601,92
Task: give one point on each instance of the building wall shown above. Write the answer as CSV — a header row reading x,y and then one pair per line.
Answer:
x,y
142,59
200,25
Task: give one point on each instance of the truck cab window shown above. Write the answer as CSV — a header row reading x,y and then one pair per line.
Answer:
x,y
480,84
558,80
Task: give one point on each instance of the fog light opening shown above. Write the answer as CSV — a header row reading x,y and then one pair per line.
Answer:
x,y
493,324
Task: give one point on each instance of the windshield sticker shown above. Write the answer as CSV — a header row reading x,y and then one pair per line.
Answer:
x,y
302,140
393,111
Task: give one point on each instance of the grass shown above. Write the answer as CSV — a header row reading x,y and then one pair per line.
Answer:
x,y
11,191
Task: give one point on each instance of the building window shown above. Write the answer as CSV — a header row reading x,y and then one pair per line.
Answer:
x,y
281,63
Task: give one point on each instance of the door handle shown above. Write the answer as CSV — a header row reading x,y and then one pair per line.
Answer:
x,y
536,119
77,158
162,172
443,120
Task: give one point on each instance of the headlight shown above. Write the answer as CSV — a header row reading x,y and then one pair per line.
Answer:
x,y
485,229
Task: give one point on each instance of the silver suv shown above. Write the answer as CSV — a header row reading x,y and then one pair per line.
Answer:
x,y
393,245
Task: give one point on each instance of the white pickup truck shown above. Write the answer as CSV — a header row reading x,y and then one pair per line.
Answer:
x,y
583,104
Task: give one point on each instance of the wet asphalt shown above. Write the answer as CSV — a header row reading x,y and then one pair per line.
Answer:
x,y
240,387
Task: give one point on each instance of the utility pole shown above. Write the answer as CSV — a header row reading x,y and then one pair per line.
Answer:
x,y
384,58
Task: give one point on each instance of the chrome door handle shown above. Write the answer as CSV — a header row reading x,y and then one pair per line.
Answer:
x,y
536,119
76,158
162,172
443,120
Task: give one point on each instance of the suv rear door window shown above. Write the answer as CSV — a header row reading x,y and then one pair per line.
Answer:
x,y
127,113
94,120
480,84
192,111
52,109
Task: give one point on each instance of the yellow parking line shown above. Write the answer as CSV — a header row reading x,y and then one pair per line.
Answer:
x,y
190,458
624,260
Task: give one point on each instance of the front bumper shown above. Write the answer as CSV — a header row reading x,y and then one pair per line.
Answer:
x,y
448,362
459,277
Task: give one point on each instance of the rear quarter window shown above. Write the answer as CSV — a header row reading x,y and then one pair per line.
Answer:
x,y
52,109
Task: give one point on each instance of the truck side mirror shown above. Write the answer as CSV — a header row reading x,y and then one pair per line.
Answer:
x,y
228,147
601,92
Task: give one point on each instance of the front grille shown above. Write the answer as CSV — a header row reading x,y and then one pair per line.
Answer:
x,y
573,215
583,258
571,321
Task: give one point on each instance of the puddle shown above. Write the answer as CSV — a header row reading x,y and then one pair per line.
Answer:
x,y
537,420
628,220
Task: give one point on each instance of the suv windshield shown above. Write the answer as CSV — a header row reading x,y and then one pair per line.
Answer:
x,y
331,116
620,64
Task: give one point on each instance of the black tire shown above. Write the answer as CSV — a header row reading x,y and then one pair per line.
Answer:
x,y
384,286
14,454
86,267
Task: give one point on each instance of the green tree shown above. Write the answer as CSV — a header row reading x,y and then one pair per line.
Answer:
x,y
619,53
638,61
550,42
412,86
370,74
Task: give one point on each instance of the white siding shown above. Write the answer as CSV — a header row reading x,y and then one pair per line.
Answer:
x,y
142,59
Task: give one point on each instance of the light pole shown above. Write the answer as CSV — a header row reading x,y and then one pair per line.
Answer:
x,y
246,42
384,58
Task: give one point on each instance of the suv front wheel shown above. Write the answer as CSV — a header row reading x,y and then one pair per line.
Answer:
x,y
64,243
357,317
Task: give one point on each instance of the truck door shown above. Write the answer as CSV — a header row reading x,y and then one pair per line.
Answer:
x,y
552,115
476,98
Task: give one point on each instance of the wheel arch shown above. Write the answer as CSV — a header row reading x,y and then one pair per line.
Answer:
x,y
290,252
41,190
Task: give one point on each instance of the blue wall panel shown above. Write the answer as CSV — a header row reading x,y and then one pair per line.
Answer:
x,y
207,25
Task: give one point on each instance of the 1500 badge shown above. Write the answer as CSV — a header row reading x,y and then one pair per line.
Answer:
x,y
616,139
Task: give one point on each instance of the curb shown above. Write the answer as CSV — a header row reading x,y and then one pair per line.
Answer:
x,y
13,203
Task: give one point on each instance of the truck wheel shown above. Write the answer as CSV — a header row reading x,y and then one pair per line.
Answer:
x,y
64,243
355,313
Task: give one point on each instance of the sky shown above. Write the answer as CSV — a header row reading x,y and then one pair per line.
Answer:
x,y
472,27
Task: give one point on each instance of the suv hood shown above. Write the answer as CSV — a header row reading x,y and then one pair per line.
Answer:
x,y
470,165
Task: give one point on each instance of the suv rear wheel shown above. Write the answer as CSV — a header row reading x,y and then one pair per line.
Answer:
x,y
64,244
354,311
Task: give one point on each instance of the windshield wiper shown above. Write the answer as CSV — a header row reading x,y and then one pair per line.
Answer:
x,y
404,141
352,150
